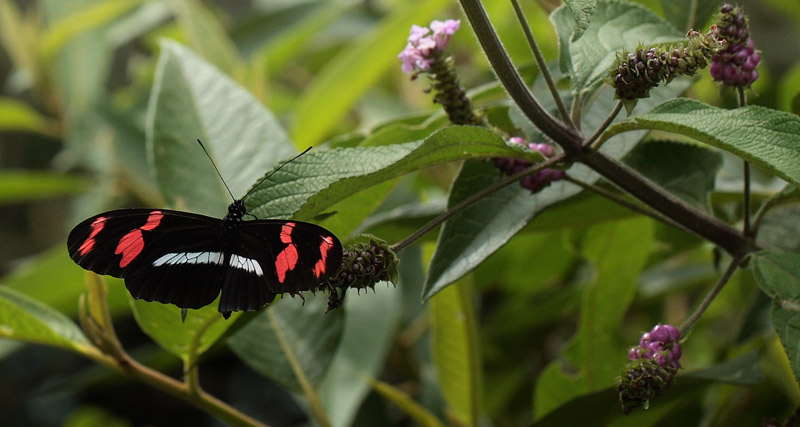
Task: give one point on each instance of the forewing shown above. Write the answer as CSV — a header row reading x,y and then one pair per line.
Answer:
x,y
163,255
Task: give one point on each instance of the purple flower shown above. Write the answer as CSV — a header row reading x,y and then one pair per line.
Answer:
x,y
537,181
425,44
651,366
736,64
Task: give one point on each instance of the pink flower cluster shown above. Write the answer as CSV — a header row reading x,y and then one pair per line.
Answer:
x,y
425,43
736,66
537,181
660,345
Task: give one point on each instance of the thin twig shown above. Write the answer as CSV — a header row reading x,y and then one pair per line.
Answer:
x,y
537,53
474,198
616,198
691,320
599,131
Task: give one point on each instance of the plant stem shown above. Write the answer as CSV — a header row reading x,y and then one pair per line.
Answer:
x,y
599,131
702,224
691,320
474,198
313,399
644,210
746,196
537,53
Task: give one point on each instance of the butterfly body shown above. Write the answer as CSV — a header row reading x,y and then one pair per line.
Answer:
x,y
187,259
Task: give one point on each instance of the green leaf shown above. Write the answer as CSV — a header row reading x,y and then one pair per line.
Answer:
x,y
191,99
185,339
78,86
93,16
18,35
413,409
582,12
687,171
206,34
687,15
370,324
52,278
778,275
616,25
771,142
355,69
19,186
18,116
742,370
470,236
311,334
25,319
592,359
454,343
319,179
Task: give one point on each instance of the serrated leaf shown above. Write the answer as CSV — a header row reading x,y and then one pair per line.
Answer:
x,y
582,12
616,25
25,319
685,170
454,336
355,69
778,275
319,179
686,15
464,241
771,140
186,339
311,335
193,100
592,359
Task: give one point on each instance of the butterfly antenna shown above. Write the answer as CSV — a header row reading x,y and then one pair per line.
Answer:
x,y
215,168
276,169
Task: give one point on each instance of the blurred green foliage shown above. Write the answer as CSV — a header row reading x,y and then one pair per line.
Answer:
x,y
100,106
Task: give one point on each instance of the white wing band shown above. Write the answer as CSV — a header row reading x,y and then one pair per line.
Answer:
x,y
180,258
247,264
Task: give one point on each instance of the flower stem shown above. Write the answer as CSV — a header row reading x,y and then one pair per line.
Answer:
x,y
474,198
746,192
691,320
644,210
599,131
537,53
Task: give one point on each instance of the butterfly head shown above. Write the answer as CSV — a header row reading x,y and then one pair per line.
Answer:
x,y
236,211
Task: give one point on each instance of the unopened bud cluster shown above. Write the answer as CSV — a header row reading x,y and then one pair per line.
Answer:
x,y
363,265
736,62
534,182
638,72
651,366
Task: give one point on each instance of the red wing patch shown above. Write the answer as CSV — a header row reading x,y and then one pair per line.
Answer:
x,y
131,244
287,259
324,247
97,227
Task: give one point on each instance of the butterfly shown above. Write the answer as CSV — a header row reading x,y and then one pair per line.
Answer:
x,y
188,259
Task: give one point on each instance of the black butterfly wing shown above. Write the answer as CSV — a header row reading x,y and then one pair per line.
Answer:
x,y
166,256
272,257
